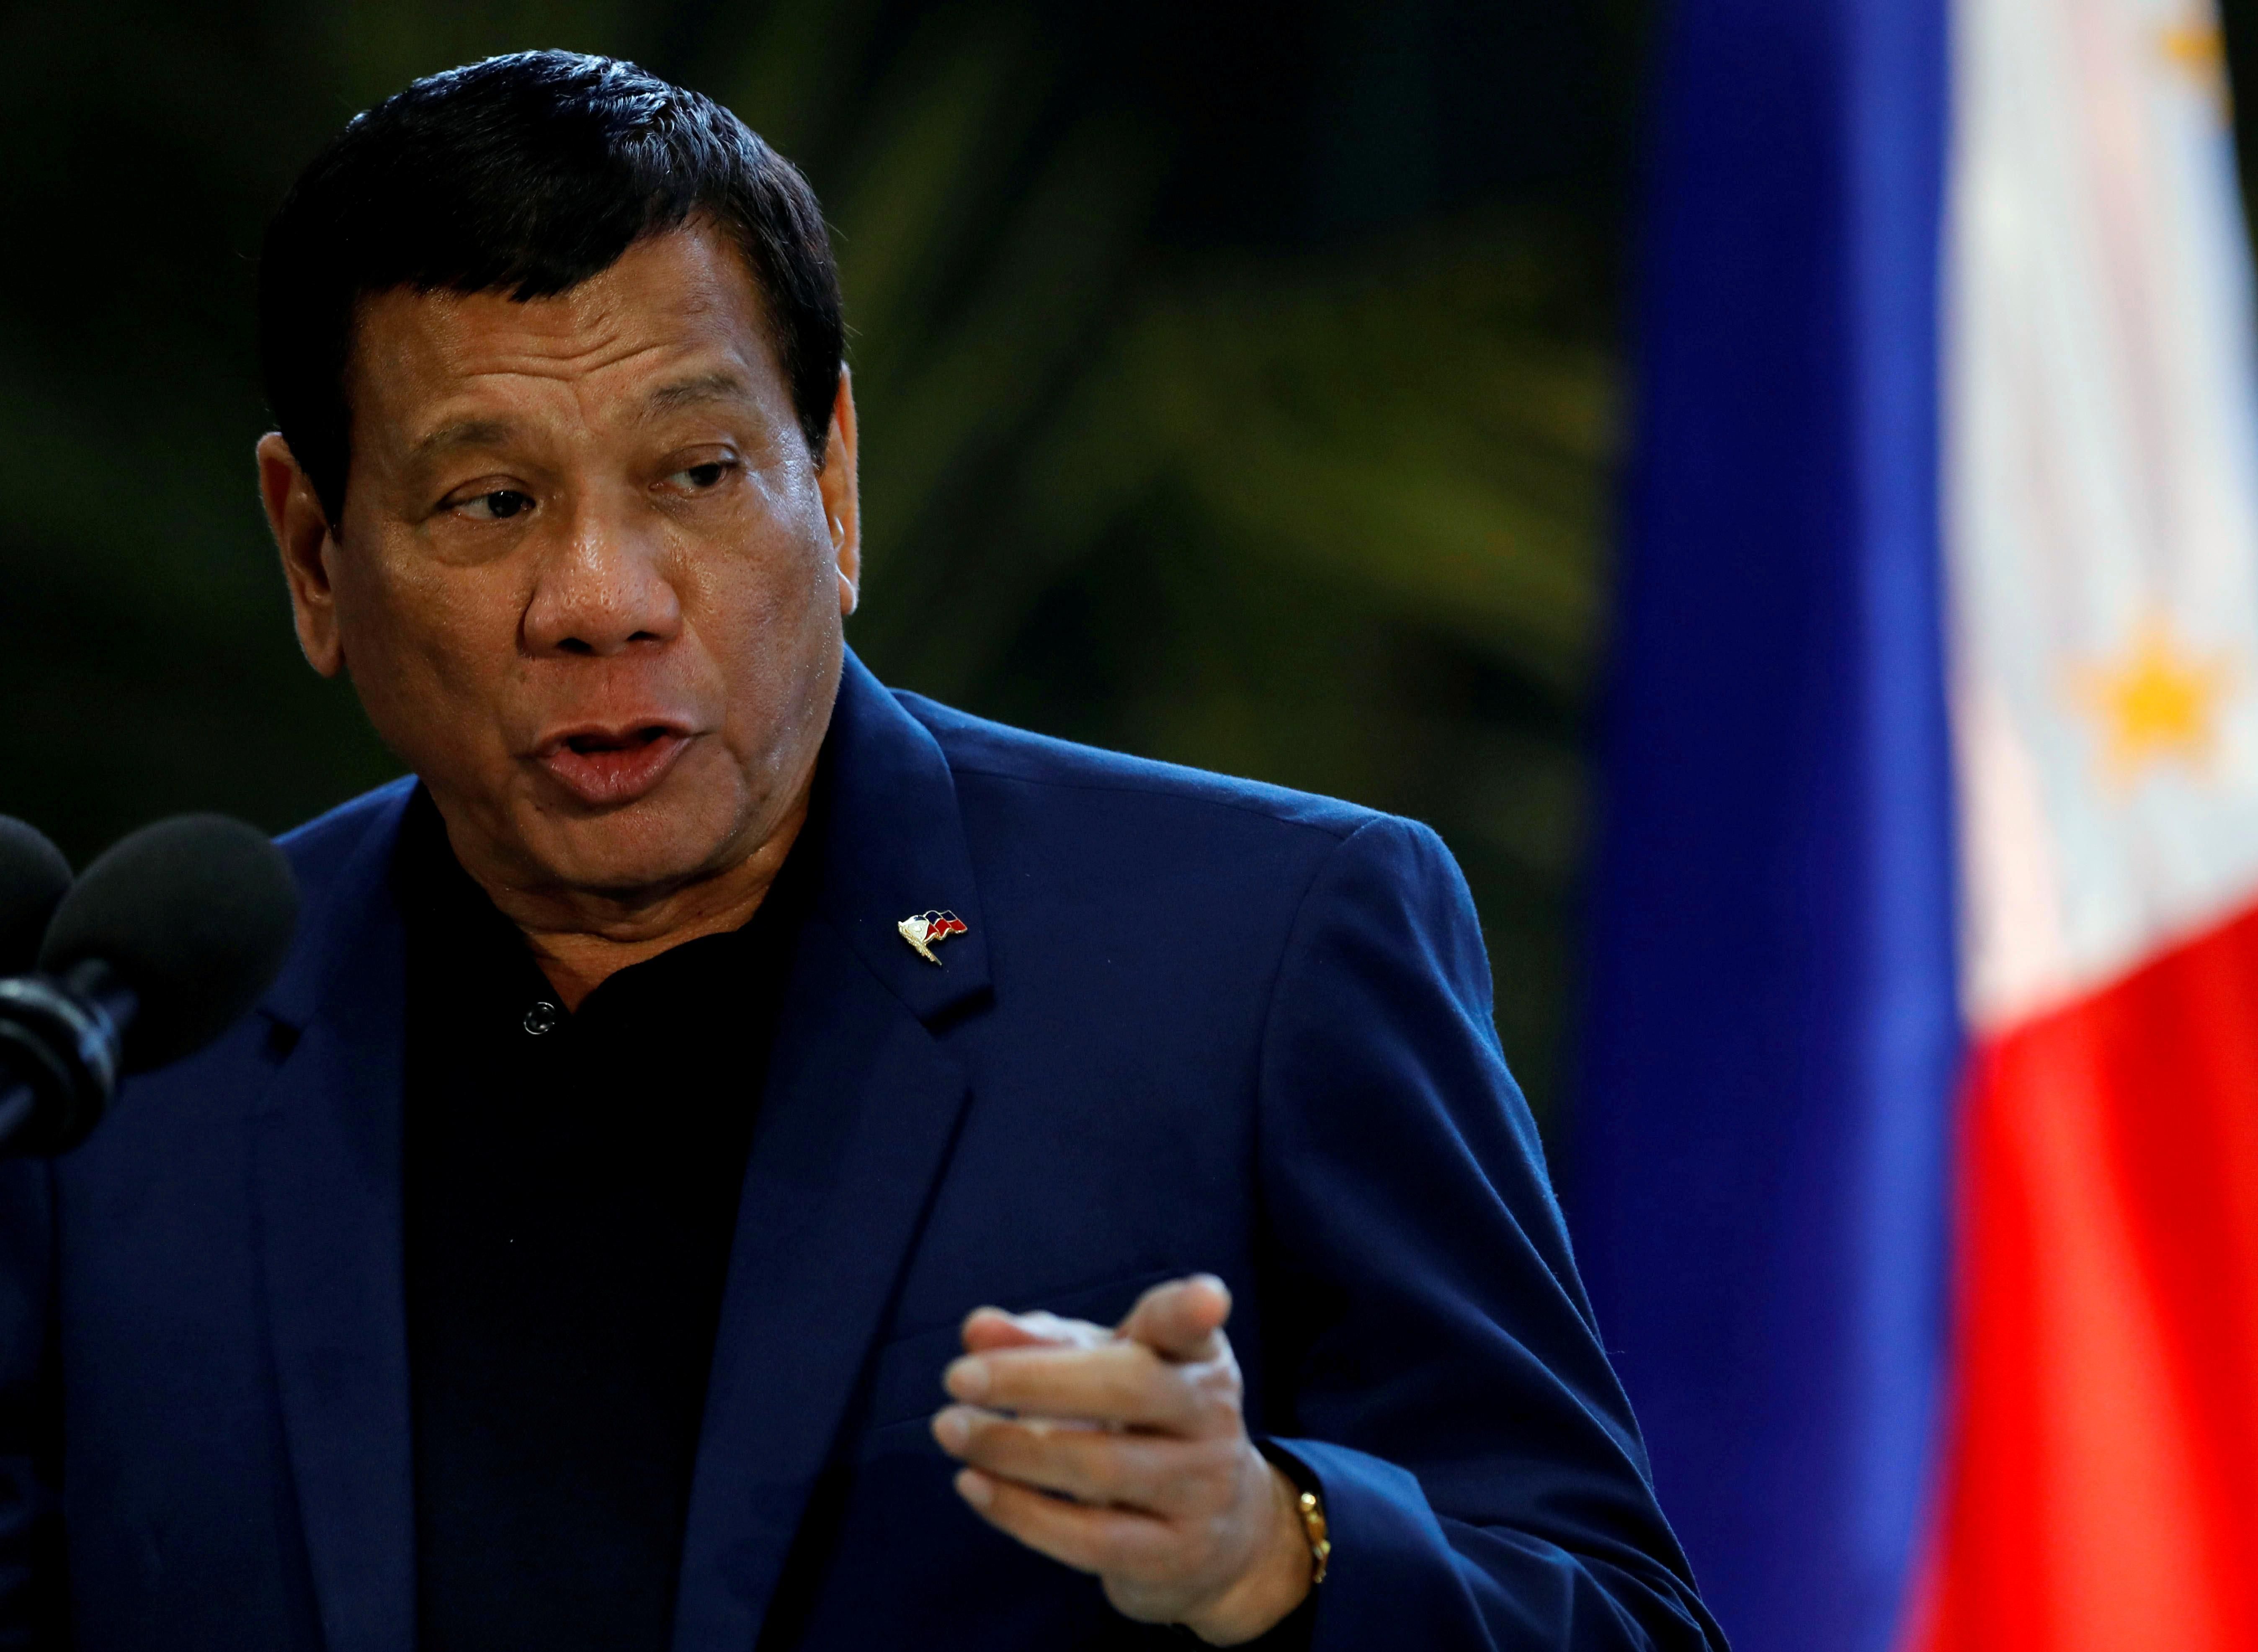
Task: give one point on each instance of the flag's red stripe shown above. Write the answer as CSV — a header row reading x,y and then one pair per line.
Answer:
x,y
2100,1488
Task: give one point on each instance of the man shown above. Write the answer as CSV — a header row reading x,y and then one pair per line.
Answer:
x,y
600,1236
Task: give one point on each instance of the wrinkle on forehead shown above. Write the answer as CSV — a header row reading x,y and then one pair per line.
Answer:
x,y
685,294
721,385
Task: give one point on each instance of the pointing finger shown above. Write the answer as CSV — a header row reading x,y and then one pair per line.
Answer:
x,y
991,1328
1121,1384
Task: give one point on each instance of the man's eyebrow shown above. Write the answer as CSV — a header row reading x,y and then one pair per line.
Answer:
x,y
463,433
721,385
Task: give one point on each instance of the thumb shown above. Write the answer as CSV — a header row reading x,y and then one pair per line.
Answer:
x,y
1182,1320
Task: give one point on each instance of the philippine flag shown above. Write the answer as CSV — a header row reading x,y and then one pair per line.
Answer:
x,y
1917,1172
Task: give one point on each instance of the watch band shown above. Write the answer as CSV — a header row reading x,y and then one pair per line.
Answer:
x,y
1311,1508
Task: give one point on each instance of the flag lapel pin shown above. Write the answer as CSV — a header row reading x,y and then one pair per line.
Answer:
x,y
927,930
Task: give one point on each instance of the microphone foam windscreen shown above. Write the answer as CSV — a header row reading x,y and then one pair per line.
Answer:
x,y
196,914
33,877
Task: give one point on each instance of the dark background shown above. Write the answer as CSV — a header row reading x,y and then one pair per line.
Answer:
x,y
1239,387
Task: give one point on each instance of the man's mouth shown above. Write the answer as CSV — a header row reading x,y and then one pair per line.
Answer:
x,y
606,767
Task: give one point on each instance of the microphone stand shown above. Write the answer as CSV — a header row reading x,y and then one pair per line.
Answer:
x,y
60,1045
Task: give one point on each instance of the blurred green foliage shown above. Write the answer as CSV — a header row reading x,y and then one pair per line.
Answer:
x,y
1330,514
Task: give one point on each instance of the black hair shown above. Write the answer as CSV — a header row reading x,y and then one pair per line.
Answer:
x,y
526,173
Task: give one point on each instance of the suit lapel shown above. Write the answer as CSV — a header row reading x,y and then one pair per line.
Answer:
x,y
860,1109
326,1159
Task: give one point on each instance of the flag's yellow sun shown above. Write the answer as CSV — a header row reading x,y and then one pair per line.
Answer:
x,y
2198,51
2199,46
2159,702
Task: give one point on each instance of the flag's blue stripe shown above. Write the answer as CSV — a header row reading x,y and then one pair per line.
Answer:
x,y
1773,1034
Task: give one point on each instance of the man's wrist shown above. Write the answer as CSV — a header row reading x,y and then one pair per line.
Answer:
x,y
1277,1582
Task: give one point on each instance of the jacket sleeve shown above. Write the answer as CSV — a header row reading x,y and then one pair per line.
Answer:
x,y
32,1588
1430,1358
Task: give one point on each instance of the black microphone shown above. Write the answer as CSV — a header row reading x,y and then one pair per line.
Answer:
x,y
162,943
33,878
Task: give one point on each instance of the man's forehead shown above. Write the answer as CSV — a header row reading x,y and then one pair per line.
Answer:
x,y
448,430
675,323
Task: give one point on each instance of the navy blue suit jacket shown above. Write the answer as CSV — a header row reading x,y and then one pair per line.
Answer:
x,y
1196,1024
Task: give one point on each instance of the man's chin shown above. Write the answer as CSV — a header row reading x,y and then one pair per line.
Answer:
x,y
684,821
651,848
626,862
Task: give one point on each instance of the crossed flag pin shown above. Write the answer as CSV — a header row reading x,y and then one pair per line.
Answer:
x,y
927,930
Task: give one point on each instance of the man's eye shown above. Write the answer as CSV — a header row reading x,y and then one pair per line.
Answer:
x,y
502,503
697,478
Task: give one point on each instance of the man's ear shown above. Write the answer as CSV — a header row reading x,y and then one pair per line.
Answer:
x,y
301,534
842,502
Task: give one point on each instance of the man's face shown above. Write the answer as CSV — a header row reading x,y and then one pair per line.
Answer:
x,y
589,582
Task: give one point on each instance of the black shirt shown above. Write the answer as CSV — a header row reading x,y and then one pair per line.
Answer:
x,y
571,1185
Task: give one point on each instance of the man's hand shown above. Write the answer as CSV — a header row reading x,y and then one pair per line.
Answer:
x,y
1172,1506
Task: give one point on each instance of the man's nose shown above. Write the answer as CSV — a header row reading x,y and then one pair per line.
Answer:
x,y
605,588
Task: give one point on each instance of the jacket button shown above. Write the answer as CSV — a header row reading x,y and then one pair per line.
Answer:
x,y
542,1018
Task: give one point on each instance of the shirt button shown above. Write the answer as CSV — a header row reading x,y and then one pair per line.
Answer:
x,y
542,1018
